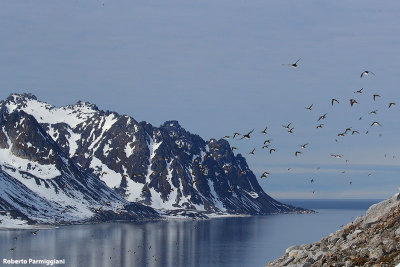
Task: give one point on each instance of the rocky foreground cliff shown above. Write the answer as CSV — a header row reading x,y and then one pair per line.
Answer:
x,y
371,240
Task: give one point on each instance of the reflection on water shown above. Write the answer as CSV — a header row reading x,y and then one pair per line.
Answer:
x,y
242,241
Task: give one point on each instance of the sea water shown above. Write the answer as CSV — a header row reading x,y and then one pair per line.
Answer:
x,y
232,241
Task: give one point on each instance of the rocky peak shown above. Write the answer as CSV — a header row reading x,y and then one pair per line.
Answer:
x,y
81,104
17,97
171,125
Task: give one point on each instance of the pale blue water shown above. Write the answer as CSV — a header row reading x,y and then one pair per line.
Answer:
x,y
240,241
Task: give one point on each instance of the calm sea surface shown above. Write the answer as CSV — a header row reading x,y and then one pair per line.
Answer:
x,y
240,241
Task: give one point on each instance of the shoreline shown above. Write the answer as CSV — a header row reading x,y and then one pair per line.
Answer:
x,y
162,218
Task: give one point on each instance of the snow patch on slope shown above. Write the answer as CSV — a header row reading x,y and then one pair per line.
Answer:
x,y
110,177
80,206
152,148
134,190
19,164
73,142
6,221
129,149
217,201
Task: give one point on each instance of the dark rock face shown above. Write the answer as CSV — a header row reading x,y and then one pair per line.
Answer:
x,y
163,167
371,240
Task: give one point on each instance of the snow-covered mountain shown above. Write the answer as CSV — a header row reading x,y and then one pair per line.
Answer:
x,y
166,167
40,183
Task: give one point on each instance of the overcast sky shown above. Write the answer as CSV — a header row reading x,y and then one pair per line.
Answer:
x,y
216,67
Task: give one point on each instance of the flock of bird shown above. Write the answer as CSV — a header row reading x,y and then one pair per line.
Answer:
x,y
289,127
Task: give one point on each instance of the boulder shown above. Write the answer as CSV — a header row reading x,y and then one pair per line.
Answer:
x,y
377,211
397,232
375,253
389,245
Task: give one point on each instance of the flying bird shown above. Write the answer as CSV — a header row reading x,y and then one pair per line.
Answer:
x,y
304,146
374,111
290,130
366,73
267,141
287,126
247,135
294,65
320,126
252,152
265,146
309,108
233,148
375,96
359,91
264,131
312,180
391,104
355,132
272,150
265,174
322,117
297,153
352,102
334,100
235,134
376,123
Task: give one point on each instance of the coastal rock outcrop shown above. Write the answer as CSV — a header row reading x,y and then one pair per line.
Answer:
x,y
370,240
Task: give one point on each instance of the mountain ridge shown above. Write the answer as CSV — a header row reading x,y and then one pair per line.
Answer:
x,y
166,167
